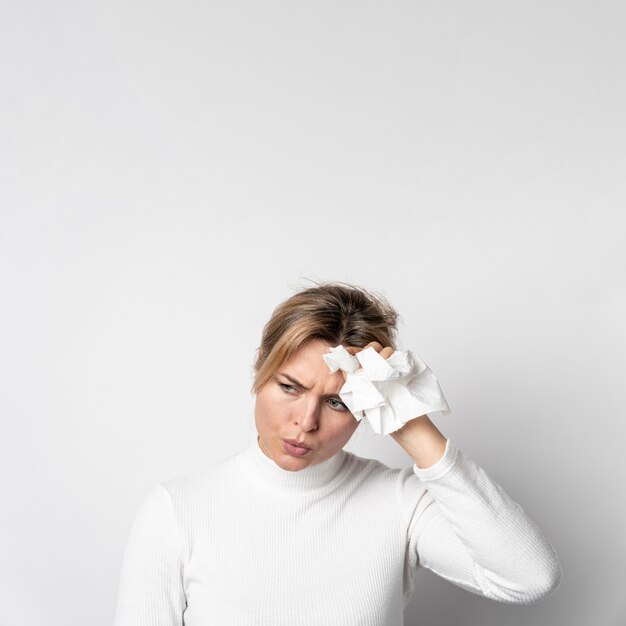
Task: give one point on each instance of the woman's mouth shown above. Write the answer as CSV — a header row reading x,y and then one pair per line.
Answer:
x,y
291,447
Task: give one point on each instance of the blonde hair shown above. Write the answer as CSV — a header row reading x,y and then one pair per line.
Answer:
x,y
338,313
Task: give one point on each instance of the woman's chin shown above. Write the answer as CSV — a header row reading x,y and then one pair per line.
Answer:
x,y
291,463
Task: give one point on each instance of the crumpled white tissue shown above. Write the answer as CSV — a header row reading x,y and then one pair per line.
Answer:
x,y
389,392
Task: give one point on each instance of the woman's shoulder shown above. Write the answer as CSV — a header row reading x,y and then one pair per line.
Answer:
x,y
362,462
376,470
401,481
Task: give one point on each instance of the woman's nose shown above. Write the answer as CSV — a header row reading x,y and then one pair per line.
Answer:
x,y
309,416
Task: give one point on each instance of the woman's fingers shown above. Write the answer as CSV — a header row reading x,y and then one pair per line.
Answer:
x,y
384,352
374,344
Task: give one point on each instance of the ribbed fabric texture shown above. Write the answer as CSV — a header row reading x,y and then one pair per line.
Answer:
x,y
246,542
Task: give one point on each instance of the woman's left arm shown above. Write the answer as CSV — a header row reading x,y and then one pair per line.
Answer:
x,y
468,530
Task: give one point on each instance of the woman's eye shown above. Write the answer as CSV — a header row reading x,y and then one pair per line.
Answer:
x,y
287,388
338,405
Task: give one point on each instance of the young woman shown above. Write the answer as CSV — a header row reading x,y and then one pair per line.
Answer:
x,y
295,530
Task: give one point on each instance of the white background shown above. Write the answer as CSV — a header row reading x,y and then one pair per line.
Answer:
x,y
171,171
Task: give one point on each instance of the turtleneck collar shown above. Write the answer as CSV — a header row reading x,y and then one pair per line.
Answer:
x,y
311,480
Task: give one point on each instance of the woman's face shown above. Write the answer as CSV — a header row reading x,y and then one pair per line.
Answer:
x,y
300,403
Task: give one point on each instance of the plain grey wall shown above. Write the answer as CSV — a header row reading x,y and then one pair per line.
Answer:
x,y
170,171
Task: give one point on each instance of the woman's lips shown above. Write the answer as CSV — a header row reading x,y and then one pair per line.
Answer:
x,y
292,448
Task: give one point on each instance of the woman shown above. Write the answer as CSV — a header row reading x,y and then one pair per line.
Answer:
x,y
295,530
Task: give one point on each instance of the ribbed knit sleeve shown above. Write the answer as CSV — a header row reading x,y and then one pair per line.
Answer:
x,y
470,532
151,591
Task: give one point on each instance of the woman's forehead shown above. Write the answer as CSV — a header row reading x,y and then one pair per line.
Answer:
x,y
310,354
308,367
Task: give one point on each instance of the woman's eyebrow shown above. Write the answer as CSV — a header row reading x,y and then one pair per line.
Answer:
x,y
294,381
291,379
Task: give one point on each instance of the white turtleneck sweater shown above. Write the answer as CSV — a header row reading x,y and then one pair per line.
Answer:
x,y
338,543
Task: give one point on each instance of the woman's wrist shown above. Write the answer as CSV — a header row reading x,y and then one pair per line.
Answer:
x,y
422,441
